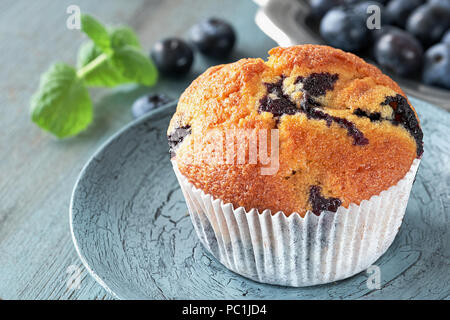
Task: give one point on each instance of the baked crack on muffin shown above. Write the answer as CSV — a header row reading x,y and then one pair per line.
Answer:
x,y
346,131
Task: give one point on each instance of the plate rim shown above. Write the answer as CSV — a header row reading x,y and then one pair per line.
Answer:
x,y
81,175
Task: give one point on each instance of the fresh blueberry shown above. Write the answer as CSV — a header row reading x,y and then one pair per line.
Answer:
x,y
383,2
343,28
213,37
172,56
398,11
445,3
378,33
320,7
429,22
446,37
399,52
147,103
437,65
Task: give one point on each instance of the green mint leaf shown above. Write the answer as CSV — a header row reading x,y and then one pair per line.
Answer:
x,y
126,65
88,52
61,105
122,36
103,75
134,65
97,32
106,74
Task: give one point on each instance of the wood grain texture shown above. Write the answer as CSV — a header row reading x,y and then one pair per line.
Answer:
x,y
131,227
37,173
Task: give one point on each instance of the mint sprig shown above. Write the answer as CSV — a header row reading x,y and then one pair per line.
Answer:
x,y
62,105
96,32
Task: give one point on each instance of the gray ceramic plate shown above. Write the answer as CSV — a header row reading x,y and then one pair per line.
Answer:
x,y
131,229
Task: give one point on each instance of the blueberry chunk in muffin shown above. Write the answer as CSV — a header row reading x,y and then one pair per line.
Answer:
x,y
176,137
405,116
352,131
317,84
374,116
276,101
320,203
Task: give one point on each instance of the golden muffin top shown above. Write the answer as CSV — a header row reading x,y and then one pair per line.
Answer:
x,y
339,130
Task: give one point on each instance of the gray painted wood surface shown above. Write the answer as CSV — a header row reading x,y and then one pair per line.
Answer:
x,y
37,173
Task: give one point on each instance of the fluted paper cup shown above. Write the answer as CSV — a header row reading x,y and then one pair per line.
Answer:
x,y
298,251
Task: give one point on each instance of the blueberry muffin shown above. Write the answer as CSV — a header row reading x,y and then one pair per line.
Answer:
x,y
346,131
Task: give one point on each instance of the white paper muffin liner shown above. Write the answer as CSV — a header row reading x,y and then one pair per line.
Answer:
x,y
295,251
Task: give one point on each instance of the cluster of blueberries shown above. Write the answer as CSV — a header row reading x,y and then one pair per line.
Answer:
x,y
413,40
212,37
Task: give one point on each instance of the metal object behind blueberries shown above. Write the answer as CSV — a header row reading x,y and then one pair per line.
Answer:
x,y
285,21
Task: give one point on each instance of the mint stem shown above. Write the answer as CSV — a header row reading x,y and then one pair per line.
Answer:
x,y
92,65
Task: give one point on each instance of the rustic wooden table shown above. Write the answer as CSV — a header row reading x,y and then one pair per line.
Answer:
x,y
37,172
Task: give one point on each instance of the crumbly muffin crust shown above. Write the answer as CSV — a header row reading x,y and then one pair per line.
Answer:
x,y
346,131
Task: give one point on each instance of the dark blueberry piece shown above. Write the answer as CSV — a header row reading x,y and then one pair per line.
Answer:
x,y
320,203
376,34
399,52
446,37
276,87
176,137
309,106
437,65
172,56
148,102
398,11
429,22
213,37
317,84
320,7
445,3
383,2
353,2
374,116
404,115
358,137
278,105
343,28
